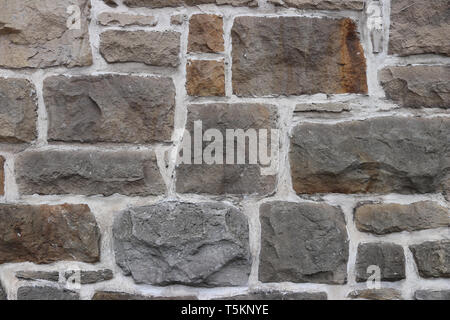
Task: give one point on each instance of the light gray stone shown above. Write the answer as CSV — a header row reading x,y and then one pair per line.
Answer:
x,y
432,258
89,277
276,295
419,27
125,20
154,48
110,108
179,3
376,294
46,293
389,257
35,34
321,4
404,155
432,295
18,110
387,218
119,296
84,172
303,242
201,244
38,275
331,107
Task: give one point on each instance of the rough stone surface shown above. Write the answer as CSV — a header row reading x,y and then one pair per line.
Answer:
x,y
83,172
274,295
432,258
46,234
2,293
432,295
321,4
205,78
227,178
154,48
38,275
34,34
417,86
419,27
275,56
46,293
89,277
389,257
378,155
387,218
110,295
205,244
125,20
331,107
303,242
178,3
376,294
2,176
18,107
206,33
110,108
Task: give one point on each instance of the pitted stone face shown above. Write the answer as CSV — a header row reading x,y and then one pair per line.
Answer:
x,y
195,244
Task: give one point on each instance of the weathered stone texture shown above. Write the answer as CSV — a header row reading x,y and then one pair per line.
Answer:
x,y
303,242
378,155
178,3
205,244
432,258
110,108
376,294
45,234
18,105
331,107
387,218
46,293
389,257
276,56
111,295
227,178
154,48
89,277
417,86
34,34
2,176
275,295
125,20
432,295
2,293
83,172
321,4
38,275
206,34
205,78
419,27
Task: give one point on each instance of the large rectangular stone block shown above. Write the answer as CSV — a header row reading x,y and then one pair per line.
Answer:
x,y
296,55
378,155
110,108
179,3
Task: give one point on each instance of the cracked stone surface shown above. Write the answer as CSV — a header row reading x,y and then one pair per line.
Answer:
x,y
432,258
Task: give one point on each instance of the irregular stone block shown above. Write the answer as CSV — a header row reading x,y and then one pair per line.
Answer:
x,y
89,277
2,176
205,244
419,27
377,155
277,56
387,218
205,78
432,258
303,242
154,48
417,86
38,275
179,3
125,20
206,33
110,295
110,108
46,234
18,105
432,295
389,257
376,294
332,107
274,295
82,172
46,293
37,34
227,178
321,4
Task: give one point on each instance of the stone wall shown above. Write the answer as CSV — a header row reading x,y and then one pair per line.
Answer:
x,y
95,97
